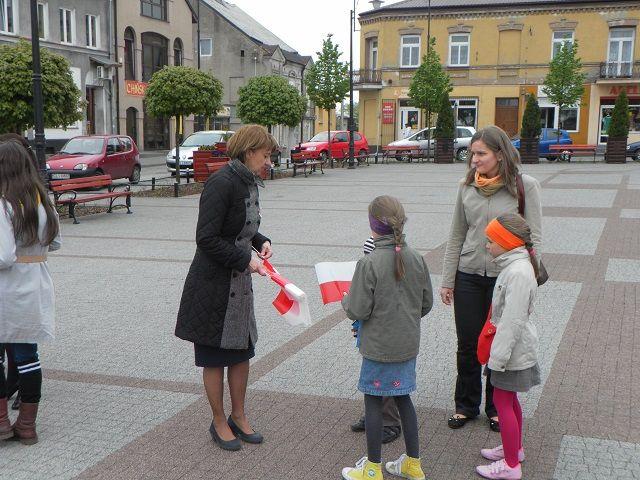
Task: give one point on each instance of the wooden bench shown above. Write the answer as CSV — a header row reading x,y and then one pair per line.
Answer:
x,y
70,187
304,160
407,152
360,159
573,149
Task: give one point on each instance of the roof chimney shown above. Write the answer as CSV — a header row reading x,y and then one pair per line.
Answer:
x,y
376,3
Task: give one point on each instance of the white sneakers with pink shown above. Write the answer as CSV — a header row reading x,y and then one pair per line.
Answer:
x,y
500,471
497,453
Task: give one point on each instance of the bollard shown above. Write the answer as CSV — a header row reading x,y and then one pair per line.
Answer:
x,y
153,183
175,189
271,173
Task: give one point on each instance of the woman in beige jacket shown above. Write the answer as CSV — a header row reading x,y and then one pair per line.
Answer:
x,y
469,275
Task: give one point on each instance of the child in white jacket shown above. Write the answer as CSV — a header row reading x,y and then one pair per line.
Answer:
x,y
513,360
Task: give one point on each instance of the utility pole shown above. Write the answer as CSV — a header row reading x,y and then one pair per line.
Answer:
x,y
38,107
351,127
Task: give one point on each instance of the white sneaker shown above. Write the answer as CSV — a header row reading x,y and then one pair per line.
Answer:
x,y
497,453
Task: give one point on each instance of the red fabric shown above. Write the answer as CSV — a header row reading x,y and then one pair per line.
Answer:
x,y
334,291
510,415
485,339
282,303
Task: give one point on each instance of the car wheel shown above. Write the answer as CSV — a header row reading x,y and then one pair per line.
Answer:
x,y
323,156
462,155
551,159
404,157
636,155
135,175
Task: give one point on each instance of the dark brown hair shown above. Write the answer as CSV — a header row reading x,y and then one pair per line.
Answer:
x,y
247,138
389,210
22,189
517,225
499,143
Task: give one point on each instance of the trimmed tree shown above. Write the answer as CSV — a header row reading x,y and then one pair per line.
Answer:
x,y
62,99
182,91
270,101
445,131
618,131
564,84
327,81
429,84
530,132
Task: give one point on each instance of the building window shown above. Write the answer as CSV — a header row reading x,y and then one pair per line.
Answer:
x,y
177,52
466,111
6,16
206,47
67,25
129,54
373,53
606,112
620,58
155,54
410,51
560,38
132,123
93,33
154,8
569,119
43,21
459,50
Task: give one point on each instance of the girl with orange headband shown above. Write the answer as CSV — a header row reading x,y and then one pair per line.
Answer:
x,y
513,359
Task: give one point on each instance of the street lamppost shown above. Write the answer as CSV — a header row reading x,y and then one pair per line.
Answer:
x,y
37,92
350,127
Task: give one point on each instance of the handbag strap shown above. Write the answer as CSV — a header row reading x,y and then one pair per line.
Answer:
x,y
490,311
521,201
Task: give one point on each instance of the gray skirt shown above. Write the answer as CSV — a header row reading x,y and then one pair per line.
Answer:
x,y
515,380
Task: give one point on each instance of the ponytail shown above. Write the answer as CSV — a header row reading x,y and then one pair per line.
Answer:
x,y
390,212
397,236
533,258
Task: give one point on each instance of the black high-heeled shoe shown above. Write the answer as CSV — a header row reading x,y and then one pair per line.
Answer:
x,y
231,445
254,438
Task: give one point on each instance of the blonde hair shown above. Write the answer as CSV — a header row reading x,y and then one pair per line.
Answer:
x,y
517,225
250,138
390,211
499,143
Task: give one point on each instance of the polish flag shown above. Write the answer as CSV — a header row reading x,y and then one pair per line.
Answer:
x,y
291,303
334,279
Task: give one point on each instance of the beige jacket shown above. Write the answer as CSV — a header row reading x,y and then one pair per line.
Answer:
x,y
473,211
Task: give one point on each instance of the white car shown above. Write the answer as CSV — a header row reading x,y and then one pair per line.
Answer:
x,y
194,142
420,139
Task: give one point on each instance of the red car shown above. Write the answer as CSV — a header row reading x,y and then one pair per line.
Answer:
x,y
339,144
116,155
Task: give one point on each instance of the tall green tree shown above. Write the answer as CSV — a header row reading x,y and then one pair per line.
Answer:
x,y
531,127
619,127
62,99
327,80
182,91
429,84
269,101
446,123
564,84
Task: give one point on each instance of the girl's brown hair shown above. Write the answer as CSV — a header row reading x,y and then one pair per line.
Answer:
x,y
499,143
247,138
389,210
22,188
521,229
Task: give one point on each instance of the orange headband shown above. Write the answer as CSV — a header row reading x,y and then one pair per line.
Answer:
x,y
503,237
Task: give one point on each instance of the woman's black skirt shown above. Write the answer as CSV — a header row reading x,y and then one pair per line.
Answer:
x,y
211,357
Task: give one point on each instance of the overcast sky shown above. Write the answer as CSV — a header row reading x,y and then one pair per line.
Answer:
x,y
303,24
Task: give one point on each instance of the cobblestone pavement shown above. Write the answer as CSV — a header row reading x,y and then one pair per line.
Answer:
x,y
122,399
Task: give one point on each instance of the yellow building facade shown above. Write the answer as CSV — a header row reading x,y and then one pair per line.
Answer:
x,y
497,52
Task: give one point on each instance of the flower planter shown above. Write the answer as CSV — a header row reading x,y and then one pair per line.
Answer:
x,y
529,150
444,150
616,150
200,160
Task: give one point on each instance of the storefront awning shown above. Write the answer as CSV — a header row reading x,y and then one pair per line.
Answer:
x,y
105,61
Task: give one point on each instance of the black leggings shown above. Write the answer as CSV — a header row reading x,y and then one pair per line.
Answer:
x,y
25,357
373,425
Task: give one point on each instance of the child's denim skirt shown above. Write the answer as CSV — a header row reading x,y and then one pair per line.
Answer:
x,y
387,379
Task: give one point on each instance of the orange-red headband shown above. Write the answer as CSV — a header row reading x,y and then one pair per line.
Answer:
x,y
503,237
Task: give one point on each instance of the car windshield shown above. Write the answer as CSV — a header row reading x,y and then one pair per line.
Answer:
x,y
202,138
86,146
319,137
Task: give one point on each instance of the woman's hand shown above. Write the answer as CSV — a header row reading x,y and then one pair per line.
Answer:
x,y
446,294
266,251
256,266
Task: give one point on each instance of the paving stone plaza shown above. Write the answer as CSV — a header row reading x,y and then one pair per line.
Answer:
x,y
122,399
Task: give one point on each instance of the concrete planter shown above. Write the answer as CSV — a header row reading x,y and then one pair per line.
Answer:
x,y
616,150
529,150
444,150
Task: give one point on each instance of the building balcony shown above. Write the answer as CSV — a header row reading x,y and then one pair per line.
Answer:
x,y
619,70
367,79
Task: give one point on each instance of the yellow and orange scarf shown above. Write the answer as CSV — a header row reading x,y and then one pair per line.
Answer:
x,y
488,186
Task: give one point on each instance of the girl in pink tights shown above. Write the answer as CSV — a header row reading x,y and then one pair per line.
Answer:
x,y
513,360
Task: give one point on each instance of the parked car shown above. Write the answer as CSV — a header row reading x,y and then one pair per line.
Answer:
x,y
633,151
194,142
421,139
116,155
339,144
548,137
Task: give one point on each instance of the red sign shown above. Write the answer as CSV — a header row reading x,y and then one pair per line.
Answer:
x,y
137,89
630,89
388,112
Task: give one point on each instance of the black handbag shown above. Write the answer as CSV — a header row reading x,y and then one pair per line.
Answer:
x,y
543,276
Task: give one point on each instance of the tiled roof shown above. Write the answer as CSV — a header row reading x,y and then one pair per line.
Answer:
x,y
442,4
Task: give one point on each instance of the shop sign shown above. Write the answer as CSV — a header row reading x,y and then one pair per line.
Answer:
x,y
388,111
630,89
134,88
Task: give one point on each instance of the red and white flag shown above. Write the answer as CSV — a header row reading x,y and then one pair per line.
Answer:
x,y
334,279
291,303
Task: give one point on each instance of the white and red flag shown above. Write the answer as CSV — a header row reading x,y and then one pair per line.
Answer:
x,y
334,279
291,303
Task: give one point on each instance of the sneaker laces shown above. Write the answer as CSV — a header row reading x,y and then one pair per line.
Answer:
x,y
397,465
498,467
360,463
